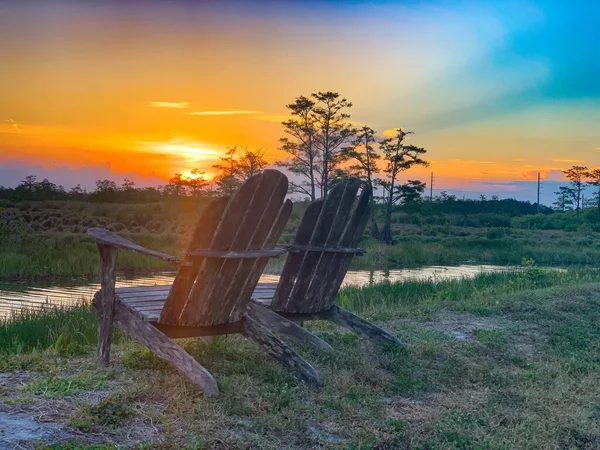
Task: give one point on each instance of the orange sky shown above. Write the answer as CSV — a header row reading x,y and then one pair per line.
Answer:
x,y
168,87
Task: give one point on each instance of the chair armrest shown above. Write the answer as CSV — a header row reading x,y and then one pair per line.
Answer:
x,y
103,236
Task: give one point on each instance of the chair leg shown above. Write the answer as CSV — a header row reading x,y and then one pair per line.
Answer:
x,y
287,328
106,300
278,350
164,347
360,326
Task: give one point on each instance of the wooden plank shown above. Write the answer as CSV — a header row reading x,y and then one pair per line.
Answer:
x,y
140,300
108,264
310,248
143,308
156,301
252,254
293,262
186,275
105,237
278,350
340,265
258,211
152,338
179,332
249,289
148,316
361,326
198,308
130,291
302,317
288,329
320,278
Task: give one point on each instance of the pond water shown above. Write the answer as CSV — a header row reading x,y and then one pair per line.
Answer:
x,y
15,297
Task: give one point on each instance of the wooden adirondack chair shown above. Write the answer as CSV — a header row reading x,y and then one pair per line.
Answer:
x,y
228,252
317,263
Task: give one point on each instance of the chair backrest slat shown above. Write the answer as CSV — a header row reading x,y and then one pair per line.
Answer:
x,y
324,270
248,222
340,263
281,298
309,281
186,274
262,215
258,265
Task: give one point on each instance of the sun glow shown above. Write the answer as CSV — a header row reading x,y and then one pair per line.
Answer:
x,y
184,155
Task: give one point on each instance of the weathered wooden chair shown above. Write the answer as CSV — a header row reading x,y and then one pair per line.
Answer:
x,y
318,260
228,252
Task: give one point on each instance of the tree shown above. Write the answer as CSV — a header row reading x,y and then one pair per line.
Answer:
x,y
333,131
176,185
594,180
564,199
304,157
398,158
410,193
251,163
196,182
128,185
76,191
105,190
29,183
576,175
364,157
228,181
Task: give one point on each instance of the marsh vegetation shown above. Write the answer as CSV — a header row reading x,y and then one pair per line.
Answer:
x,y
500,361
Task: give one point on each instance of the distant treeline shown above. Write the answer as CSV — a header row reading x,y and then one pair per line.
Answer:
x,y
107,191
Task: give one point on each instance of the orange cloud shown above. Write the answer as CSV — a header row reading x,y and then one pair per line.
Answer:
x,y
223,113
175,105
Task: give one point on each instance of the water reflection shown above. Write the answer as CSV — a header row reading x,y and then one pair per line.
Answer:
x,y
15,297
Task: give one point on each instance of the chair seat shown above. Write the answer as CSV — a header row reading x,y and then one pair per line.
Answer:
x,y
148,301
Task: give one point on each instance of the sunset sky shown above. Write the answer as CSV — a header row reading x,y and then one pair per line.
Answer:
x,y
494,90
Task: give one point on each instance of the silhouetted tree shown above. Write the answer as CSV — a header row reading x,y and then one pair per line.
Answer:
x,y
29,183
564,198
304,154
251,163
333,131
398,158
364,159
576,175
227,180
197,183
105,190
176,186
594,180
410,194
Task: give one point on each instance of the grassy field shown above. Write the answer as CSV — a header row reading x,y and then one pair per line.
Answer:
x,y
48,240
501,361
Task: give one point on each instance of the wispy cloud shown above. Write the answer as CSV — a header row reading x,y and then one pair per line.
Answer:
x,y
175,105
233,112
11,123
560,160
11,126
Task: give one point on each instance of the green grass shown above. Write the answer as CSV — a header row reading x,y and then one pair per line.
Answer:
x,y
470,295
526,378
452,245
58,386
69,331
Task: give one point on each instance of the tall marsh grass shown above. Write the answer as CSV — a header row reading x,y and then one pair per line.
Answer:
x,y
473,293
66,330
